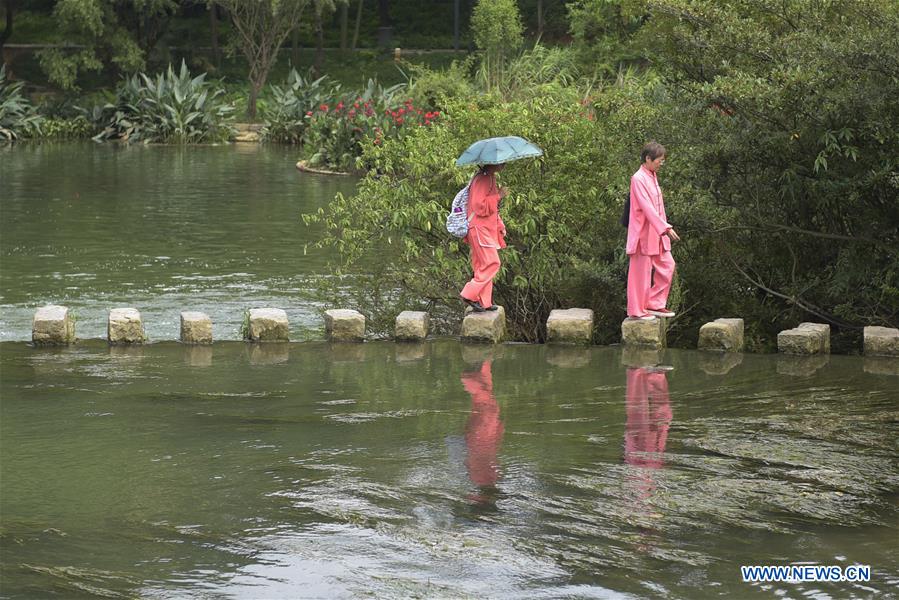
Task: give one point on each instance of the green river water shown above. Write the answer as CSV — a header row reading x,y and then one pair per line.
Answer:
x,y
435,470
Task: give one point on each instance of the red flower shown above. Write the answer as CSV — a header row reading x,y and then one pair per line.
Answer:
x,y
323,108
399,120
308,113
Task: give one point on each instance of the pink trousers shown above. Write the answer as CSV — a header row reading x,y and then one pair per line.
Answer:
x,y
485,263
641,296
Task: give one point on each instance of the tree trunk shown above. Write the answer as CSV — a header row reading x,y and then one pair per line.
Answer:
x,y
214,28
358,22
385,30
319,44
254,95
456,24
295,47
540,23
10,8
344,25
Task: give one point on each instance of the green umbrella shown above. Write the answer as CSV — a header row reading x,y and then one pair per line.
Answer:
x,y
498,150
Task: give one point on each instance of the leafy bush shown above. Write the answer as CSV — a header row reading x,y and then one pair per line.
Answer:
x,y
498,33
170,108
286,116
785,121
431,89
73,128
18,117
565,245
337,136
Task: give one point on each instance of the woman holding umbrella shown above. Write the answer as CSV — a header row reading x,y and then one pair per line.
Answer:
x,y
486,230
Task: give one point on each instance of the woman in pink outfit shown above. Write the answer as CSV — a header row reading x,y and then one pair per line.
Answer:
x,y
486,236
649,237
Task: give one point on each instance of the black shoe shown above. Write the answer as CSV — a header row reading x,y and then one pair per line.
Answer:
x,y
492,307
475,306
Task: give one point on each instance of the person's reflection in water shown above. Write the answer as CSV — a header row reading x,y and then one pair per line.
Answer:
x,y
648,416
483,434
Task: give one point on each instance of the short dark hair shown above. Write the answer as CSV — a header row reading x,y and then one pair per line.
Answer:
x,y
652,150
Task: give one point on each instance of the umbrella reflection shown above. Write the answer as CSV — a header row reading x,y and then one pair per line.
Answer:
x,y
483,433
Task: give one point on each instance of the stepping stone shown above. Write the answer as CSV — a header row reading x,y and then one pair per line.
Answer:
x,y
881,341
53,326
125,327
651,332
488,326
808,338
570,326
267,325
344,325
725,335
411,326
196,328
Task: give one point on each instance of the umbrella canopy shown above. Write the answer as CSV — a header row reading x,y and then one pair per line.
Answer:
x,y
498,150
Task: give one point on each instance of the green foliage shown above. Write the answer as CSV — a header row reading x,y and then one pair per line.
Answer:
x,y
432,88
603,32
286,116
114,34
786,122
73,128
168,108
497,29
18,117
332,125
565,246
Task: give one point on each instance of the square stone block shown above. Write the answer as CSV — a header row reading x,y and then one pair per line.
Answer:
x,y
267,325
570,326
196,328
52,325
808,338
881,341
651,332
344,325
725,335
411,326
488,326
125,327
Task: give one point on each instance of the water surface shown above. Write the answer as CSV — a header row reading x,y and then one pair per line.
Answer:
x,y
440,470
159,228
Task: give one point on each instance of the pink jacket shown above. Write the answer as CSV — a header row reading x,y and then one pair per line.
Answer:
x,y
647,218
486,228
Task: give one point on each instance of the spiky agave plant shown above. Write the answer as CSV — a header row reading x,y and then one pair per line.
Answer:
x,y
18,117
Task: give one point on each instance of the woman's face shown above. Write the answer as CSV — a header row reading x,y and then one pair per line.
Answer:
x,y
653,164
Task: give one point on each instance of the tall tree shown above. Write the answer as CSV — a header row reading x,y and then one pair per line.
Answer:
x,y
10,8
261,27
115,35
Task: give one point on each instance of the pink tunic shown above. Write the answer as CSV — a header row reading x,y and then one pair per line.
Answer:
x,y
647,217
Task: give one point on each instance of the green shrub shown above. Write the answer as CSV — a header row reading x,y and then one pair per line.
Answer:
x,y
73,128
170,109
18,117
431,89
286,114
498,34
565,245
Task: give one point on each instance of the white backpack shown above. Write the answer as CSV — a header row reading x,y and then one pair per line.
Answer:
x,y
457,220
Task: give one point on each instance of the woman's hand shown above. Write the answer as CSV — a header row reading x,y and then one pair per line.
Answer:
x,y
672,234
